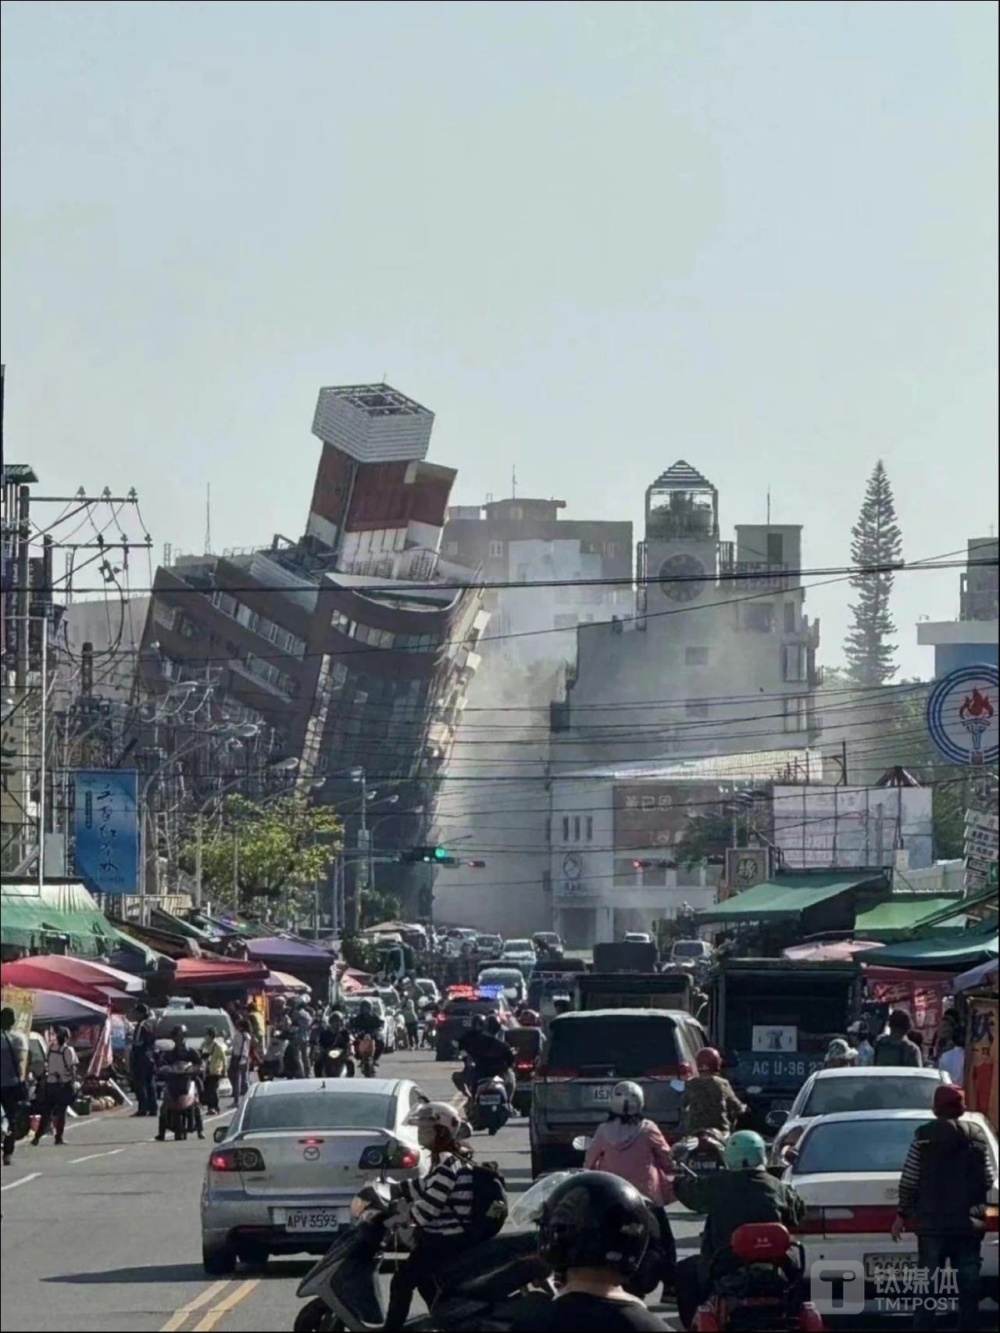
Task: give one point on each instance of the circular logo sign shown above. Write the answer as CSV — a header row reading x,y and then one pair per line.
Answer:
x,y
681,578
962,715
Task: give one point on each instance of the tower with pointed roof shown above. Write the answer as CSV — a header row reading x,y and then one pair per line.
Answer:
x,y
679,556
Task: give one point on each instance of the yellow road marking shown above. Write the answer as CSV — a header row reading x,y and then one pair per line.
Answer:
x,y
177,1319
226,1304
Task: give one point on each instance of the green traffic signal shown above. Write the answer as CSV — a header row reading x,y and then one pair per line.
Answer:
x,y
442,854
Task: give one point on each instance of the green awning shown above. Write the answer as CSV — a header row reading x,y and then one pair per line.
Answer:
x,y
786,898
948,952
898,916
62,917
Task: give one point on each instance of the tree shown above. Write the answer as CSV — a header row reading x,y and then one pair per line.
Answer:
x,y
268,851
706,835
876,543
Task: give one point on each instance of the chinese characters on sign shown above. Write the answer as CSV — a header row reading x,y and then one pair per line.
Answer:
x,y
106,831
654,814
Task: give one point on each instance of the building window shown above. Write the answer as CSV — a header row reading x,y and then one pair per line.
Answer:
x,y
759,617
576,828
793,662
775,548
164,615
696,657
590,828
694,708
565,828
496,550
796,710
790,618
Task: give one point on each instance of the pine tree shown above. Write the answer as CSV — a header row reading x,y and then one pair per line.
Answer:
x,y
875,542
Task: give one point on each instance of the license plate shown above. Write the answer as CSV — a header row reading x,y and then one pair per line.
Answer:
x,y
466,1022
492,1100
312,1219
602,1092
702,1165
901,1267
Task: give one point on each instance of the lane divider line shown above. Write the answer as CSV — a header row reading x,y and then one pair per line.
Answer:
x,y
226,1304
23,1181
92,1156
178,1318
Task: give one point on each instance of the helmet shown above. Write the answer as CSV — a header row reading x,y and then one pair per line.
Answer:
x,y
365,1007
493,1025
745,1151
627,1100
436,1115
477,1024
179,1032
529,1019
840,1050
708,1060
594,1220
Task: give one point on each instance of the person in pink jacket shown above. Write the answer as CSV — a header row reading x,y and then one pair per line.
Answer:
x,y
629,1146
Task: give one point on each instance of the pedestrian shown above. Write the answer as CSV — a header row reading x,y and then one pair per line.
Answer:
x,y
840,1055
58,1089
239,1061
142,1060
13,1080
943,1191
214,1060
951,1051
895,1047
411,1022
858,1034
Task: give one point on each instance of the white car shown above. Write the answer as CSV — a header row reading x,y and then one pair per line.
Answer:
x,y
846,1170
281,1177
829,1091
512,980
518,953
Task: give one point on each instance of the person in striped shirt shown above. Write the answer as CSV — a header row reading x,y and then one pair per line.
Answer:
x,y
440,1208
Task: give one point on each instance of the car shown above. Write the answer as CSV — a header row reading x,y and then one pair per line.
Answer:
x,y
846,1169
690,952
427,989
197,1022
281,1176
461,1005
547,944
515,988
520,954
588,1053
637,937
852,1089
488,946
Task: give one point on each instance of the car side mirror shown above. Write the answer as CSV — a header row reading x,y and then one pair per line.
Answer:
x,y
220,1133
790,1156
775,1119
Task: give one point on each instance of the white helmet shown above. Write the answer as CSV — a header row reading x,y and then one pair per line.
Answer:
x,y
436,1115
627,1100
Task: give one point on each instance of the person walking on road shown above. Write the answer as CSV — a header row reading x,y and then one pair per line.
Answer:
x,y
59,1088
239,1060
943,1191
951,1052
214,1062
895,1047
13,1080
143,1062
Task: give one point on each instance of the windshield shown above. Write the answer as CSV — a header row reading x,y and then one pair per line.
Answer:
x,y
329,1109
629,1046
912,1093
688,949
501,976
855,1145
519,946
527,1208
197,1024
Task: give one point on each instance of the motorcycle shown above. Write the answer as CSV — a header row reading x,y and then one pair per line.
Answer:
x,y
364,1050
179,1096
489,1107
483,1288
763,1290
702,1153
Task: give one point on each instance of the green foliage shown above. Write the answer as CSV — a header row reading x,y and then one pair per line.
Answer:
x,y
705,835
377,907
272,850
360,954
875,541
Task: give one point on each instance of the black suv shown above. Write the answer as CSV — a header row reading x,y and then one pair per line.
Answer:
x,y
455,1017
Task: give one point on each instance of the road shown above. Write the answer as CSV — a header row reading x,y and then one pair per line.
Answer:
x,y
103,1233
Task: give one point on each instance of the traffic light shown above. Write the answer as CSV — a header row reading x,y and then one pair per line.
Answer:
x,y
476,865
435,856
641,865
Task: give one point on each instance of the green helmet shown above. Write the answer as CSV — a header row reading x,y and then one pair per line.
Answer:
x,y
745,1151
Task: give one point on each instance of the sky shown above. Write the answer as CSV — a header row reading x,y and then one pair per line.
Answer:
x,y
593,238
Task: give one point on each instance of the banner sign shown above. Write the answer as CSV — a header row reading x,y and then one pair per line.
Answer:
x,y
106,830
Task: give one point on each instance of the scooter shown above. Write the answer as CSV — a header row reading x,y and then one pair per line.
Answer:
x,y
702,1153
489,1107
764,1290
179,1096
484,1288
364,1050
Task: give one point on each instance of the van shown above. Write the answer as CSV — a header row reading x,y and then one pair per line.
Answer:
x,y
588,1053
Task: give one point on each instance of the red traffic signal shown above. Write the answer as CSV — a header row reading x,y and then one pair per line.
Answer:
x,y
641,865
476,865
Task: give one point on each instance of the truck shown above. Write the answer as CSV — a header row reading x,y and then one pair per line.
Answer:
x,y
626,956
633,990
773,1019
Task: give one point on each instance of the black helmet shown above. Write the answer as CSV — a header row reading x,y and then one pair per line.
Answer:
x,y
493,1026
179,1032
594,1220
477,1024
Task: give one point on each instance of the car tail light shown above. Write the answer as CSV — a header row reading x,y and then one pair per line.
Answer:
x,y
991,1218
236,1159
871,1219
524,1066
441,1020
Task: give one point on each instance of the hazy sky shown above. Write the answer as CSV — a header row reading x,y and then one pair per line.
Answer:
x,y
593,238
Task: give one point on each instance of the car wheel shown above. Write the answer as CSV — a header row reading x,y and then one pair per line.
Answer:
x,y
316,1317
218,1260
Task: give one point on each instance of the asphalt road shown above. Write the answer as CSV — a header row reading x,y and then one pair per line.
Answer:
x,y
103,1233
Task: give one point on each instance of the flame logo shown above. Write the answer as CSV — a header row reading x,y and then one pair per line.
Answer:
x,y
976,706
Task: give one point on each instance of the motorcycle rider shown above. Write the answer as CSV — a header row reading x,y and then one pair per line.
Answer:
x,y
743,1193
182,1054
593,1230
440,1207
709,1102
366,1023
333,1047
634,1149
490,1058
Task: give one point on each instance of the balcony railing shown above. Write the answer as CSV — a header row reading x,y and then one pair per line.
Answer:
x,y
756,574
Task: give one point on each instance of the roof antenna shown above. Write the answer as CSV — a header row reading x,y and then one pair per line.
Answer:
x,y
768,506
513,482
208,519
